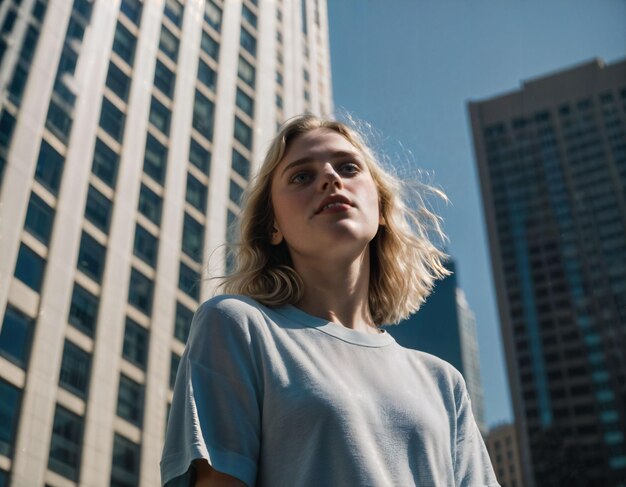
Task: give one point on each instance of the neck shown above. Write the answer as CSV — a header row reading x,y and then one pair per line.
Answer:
x,y
338,291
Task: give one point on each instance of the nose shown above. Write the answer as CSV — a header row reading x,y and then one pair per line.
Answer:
x,y
330,177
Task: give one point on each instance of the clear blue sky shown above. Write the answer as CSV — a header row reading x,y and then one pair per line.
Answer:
x,y
409,67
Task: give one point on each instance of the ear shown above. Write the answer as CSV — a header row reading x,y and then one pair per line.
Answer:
x,y
277,236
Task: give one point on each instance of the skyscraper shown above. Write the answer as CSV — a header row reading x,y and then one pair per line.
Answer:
x,y
445,326
128,130
552,164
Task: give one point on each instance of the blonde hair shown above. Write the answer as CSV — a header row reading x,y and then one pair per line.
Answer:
x,y
404,263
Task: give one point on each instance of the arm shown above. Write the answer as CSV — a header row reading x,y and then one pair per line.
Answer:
x,y
206,476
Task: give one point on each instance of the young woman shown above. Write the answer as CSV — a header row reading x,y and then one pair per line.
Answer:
x,y
288,380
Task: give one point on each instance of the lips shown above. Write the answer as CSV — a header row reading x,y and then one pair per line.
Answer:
x,y
333,199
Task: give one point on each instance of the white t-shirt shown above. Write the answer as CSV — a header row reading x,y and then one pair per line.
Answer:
x,y
277,397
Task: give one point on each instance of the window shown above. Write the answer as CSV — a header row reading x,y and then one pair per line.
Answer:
x,y
112,120
249,15
189,281
247,41
29,268
199,156
193,238
196,193
39,218
132,10
98,209
75,31
203,115
174,12
155,159
105,162
279,78
15,336
66,443
182,323
150,204
130,400
168,44
236,192
126,458
91,257
210,45
7,123
83,310
212,15
246,71
59,121
75,369
135,344
164,79
9,415
118,82
174,363
240,164
49,167
124,44
140,291
146,246
279,101
245,103
206,75
243,133
160,116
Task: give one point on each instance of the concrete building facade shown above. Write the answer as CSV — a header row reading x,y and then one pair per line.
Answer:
x,y
503,450
128,130
552,163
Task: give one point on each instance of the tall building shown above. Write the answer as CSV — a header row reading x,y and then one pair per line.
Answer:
x,y
503,451
445,326
128,130
552,164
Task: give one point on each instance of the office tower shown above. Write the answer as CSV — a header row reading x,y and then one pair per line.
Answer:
x,y
445,326
552,162
129,129
502,446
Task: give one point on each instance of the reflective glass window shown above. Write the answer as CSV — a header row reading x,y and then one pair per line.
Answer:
x,y
236,192
240,164
130,400
246,72
105,163
112,120
30,267
66,443
59,121
249,15
140,291
160,116
243,133
164,79
193,238
155,160
39,218
199,156
49,167
168,43
146,245
213,14
118,81
210,45
150,204
132,10
98,209
203,115
196,193
91,256
189,281
245,102
247,41
9,416
135,344
75,369
183,322
15,336
174,363
83,310
126,460
174,12
124,44
206,75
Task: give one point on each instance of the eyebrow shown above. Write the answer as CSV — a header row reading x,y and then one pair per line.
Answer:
x,y
308,159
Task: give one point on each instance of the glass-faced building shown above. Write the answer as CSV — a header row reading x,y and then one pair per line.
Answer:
x,y
552,164
128,131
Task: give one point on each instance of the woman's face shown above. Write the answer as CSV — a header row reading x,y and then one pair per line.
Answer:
x,y
324,199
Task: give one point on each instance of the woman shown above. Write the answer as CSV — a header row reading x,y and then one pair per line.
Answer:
x,y
289,381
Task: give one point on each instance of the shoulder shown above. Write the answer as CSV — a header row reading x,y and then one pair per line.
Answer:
x,y
232,305
444,373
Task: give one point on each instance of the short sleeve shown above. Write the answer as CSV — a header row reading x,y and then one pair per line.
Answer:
x,y
472,465
215,412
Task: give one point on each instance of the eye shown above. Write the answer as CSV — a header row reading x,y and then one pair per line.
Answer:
x,y
300,177
349,168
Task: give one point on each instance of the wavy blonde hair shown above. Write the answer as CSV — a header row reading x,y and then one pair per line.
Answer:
x,y
404,263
